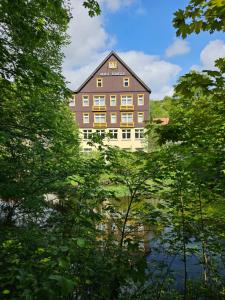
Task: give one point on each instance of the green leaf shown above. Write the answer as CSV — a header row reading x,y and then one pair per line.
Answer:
x,y
81,242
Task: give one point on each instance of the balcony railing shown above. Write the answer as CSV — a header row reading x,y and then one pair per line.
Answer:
x,y
127,107
100,125
98,108
127,124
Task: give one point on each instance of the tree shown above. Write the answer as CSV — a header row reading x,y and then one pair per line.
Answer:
x,y
200,15
38,139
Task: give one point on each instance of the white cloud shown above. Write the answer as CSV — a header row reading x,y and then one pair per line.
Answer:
x,y
114,5
88,36
90,43
76,76
179,47
156,73
212,51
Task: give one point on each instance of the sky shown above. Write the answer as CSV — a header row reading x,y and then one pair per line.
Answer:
x,y
141,32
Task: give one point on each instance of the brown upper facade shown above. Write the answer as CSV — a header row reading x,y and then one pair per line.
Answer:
x,y
115,91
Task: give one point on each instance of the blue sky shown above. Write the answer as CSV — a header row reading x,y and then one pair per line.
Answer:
x,y
141,32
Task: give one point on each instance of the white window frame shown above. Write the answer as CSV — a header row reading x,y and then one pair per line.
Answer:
x,y
101,132
126,82
114,133
97,100
126,100
99,80
111,118
85,100
97,121
127,117
140,115
86,121
87,133
139,133
126,134
113,100
141,99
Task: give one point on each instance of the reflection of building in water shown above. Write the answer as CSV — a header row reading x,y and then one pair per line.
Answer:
x,y
112,222
112,100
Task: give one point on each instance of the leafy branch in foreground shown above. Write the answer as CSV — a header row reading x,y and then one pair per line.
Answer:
x,y
200,15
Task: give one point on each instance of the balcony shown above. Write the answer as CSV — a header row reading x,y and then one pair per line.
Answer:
x,y
98,108
100,125
127,107
127,124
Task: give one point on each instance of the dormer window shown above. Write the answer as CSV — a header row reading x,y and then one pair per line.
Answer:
x,y
99,82
126,82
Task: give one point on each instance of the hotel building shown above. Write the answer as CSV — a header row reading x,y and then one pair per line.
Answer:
x,y
112,100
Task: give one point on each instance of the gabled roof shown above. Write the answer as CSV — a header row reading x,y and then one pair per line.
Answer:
x,y
122,62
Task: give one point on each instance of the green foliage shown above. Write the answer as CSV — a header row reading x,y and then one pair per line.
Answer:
x,y
200,15
38,140
160,109
93,7
88,242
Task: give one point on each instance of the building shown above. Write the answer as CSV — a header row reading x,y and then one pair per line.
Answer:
x,y
112,100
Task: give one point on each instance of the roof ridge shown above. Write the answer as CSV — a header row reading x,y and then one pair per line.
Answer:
x,y
102,63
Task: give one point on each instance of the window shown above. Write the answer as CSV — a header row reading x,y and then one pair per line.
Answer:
x,y
113,100
127,100
100,118
87,134
139,133
113,118
126,82
127,117
141,99
112,64
140,117
85,100
101,132
113,133
85,118
99,82
72,101
126,134
99,100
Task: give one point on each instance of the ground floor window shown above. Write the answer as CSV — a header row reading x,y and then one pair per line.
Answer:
x,y
126,134
87,134
101,132
139,133
114,134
